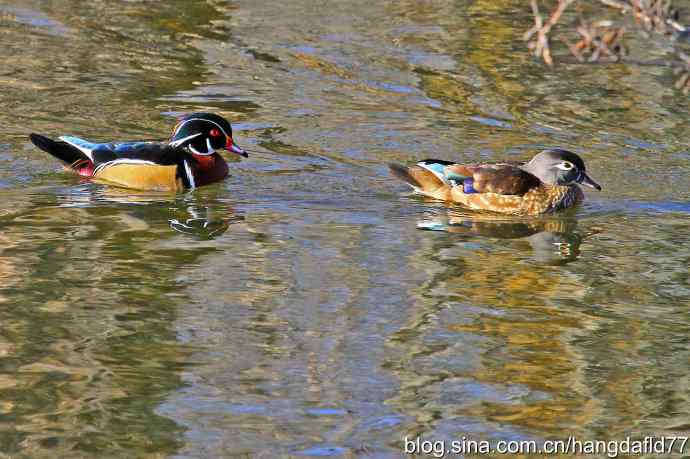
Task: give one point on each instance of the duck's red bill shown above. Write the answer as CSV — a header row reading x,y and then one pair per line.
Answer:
x,y
230,146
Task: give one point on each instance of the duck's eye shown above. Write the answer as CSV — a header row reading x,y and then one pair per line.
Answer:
x,y
565,165
215,133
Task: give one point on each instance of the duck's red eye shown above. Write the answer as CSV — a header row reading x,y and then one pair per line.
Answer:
x,y
215,133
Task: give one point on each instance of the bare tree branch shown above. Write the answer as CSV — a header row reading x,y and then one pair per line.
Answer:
x,y
601,41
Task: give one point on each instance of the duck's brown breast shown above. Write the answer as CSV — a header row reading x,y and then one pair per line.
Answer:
x,y
209,169
546,199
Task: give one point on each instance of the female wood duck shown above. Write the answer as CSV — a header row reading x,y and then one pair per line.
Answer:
x,y
546,184
188,160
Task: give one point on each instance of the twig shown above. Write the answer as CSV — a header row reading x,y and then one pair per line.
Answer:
x,y
602,41
541,43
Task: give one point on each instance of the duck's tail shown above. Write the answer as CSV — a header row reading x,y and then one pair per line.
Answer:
x,y
61,150
422,179
73,158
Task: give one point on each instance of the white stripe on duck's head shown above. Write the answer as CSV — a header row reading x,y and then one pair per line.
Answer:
x,y
203,134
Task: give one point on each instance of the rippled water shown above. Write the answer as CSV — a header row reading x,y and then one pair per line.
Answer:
x,y
310,305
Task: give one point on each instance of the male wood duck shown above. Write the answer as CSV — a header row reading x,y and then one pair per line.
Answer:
x,y
188,160
548,183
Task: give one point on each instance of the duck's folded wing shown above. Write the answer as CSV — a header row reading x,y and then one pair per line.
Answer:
x,y
100,153
499,178
505,179
109,154
478,186
82,145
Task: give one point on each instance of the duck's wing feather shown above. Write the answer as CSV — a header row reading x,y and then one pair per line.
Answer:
x,y
498,178
106,154
421,179
157,152
82,145
62,150
506,179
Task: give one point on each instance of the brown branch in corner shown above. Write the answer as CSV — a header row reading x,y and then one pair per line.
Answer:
x,y
602,41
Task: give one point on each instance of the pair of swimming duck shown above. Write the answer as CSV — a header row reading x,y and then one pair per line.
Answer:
x,y
547,183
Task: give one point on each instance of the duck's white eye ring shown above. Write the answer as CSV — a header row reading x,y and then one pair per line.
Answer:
x,y
565,165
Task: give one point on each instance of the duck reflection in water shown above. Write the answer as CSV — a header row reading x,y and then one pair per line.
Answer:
x,y
204,222
554,240
200,215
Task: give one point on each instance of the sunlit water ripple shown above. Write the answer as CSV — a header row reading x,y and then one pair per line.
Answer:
x,y
310,305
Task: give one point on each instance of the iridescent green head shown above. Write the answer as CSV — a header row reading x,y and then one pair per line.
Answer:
x,y
203,134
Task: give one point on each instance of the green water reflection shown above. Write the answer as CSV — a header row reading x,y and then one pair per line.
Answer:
x,y
310,305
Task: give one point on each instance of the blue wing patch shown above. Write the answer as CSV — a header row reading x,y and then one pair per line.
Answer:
x,y
439,169
468,186
82,145
121,148
452,176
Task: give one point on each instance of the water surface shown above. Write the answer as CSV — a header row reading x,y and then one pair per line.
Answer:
x,y
310,305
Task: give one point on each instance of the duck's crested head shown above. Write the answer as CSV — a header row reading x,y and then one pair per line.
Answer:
x,y
203,133
560,167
